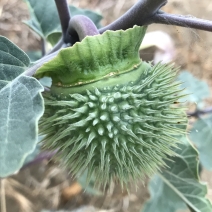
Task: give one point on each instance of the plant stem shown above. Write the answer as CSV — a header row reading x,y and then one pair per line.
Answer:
x,y
3,197
140,14
31,71
180,20
146,12
43,46
64,14
58,46
81,26
200,112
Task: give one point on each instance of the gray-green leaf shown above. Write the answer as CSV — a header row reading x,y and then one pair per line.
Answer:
x,y
179,185
44,17
163,199
13,61
197,89
21,106
201,135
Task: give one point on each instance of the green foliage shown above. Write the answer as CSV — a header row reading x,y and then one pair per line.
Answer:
x,y
201,130
34,55
13,61
163,198
44,17
108,113
201,135
45,20
197,89
21,105
179,185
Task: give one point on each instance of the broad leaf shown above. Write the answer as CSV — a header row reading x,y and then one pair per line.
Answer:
x,y
201,135
179,185
197,89
163,199
21,106
44,17
13,61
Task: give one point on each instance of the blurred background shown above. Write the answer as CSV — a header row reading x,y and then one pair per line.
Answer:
x,y
48,186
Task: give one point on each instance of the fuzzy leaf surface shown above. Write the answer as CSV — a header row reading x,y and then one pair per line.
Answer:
x,y
179,185
21,106
198,90
201,135
13,61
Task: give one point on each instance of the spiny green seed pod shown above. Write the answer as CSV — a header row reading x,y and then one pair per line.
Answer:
x,y
108,112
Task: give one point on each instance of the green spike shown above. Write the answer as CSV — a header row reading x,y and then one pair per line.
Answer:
x,y
100,130
91,136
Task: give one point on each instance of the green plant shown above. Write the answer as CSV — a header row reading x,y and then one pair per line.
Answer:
x,y
106,111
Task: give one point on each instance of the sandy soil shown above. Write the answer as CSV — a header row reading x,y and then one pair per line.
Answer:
x,y
49,186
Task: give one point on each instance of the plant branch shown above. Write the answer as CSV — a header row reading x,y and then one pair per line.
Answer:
x,y
183,21
200,112
140,14
64,14
146,12
60,44
43,46
81,26
31,71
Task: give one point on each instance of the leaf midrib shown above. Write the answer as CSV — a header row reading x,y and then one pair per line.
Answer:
x,y
178,192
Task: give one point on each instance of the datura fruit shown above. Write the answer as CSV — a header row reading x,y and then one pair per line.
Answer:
x,y
110,113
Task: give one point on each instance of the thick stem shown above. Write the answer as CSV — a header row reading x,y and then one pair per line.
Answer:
x,y
64,14
180,20
139,15
81,26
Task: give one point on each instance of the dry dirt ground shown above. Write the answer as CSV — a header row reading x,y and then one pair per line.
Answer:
x,y
49,186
